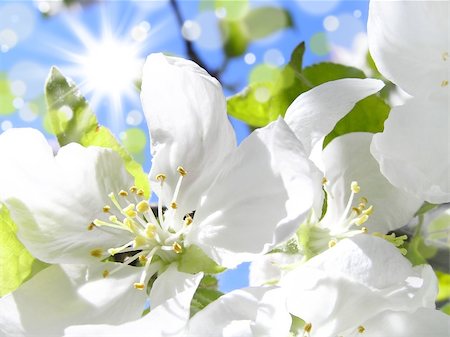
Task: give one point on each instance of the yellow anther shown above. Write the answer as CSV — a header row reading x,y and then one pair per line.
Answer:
x,y
139,241
129,211
161,177
139,286
324,181
181,171
364,230
177,248
133,189
308,327
143,206
363,218
113,219
105,273
444,83
357,210
445,56
106,209
98,252
114,251
143,259
369,210
91,226
150,231
332,243
355,187
363,200
140,192
361,329
173,205
188,220
123,193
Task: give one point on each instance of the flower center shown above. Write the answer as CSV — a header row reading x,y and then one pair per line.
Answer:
x,y
154,241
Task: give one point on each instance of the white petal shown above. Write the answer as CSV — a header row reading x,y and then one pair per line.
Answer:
x,y
53,200
363,272
171,297
263,193
269,268
347,158
408,41
244,313
414,149
314,113
63,295
186,114
421,323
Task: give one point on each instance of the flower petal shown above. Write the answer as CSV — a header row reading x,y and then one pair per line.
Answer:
x,y
314,113
244,313
414,149
347,158
186,114
421,323
362,272
408,41
170,298
63,295
259,198
270,268
54,200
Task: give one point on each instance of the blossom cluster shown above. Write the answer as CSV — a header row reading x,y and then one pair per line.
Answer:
x,y
312,220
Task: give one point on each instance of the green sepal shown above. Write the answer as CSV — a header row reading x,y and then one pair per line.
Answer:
x,y
82,126
194,260
205,294
17,265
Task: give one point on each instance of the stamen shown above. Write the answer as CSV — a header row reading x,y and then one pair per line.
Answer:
x,y
161,177
369,210
355,187
324,181
123,193
106,209
173,205
98,252
444,83
150,231
188,220
362,219
140,192
181,171
105,273
129,211
361,329
445,56
143,259
143,206
139,241
364,229
139,286
332,243
114,251
91,226
133,189
177,248
308,327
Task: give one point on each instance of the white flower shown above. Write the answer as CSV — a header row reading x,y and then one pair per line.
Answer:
x,y
241,313
409,43
356,285
81,206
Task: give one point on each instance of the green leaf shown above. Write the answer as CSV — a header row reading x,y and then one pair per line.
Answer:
x,y
236,40
72,120
203,297
6,97
194,260
368,115
419,251
326,71
264,21
444,286
16,264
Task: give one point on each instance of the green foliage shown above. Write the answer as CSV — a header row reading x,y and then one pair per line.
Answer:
x,y
73,121
418,251
205,294
241,25
444,286
263,101
6,97
194,260
16,264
